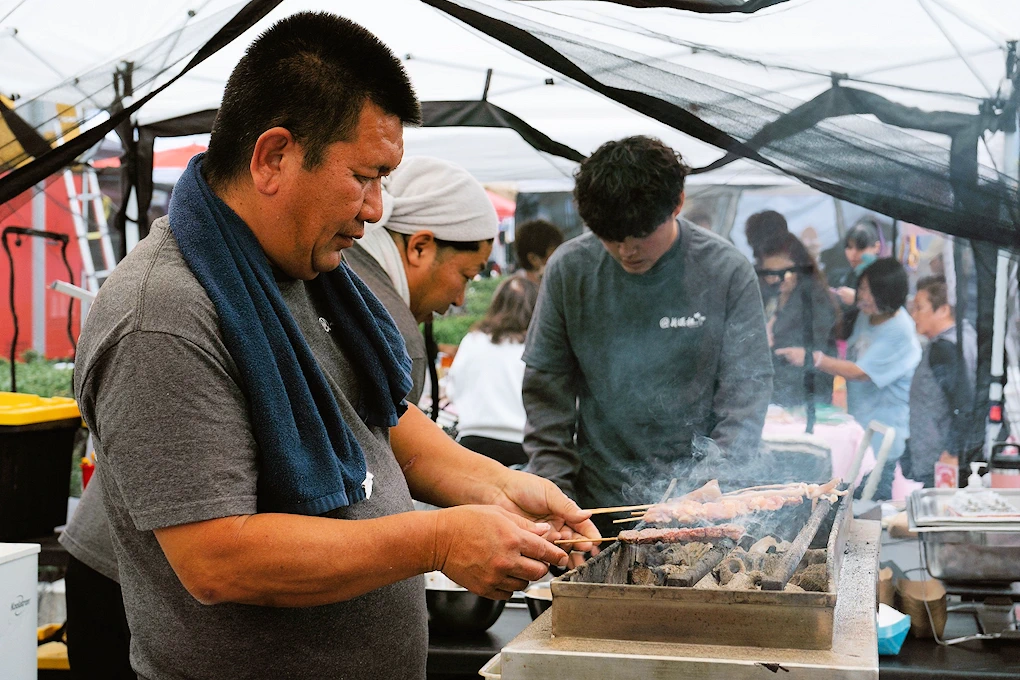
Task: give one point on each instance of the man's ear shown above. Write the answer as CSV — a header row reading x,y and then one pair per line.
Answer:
x,y
679,205
421,249
535,260
275,154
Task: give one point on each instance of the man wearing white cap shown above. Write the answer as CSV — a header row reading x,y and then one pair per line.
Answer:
x,y
435,235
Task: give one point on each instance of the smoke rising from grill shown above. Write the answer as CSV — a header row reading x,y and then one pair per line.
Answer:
x,y
708,462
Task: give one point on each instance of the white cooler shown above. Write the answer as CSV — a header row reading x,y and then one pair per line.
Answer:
x,y
19,566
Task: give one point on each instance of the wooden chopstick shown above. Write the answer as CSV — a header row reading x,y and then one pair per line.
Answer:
x,y
619,508
571,541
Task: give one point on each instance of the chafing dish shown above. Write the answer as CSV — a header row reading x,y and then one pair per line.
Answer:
x,y
969,549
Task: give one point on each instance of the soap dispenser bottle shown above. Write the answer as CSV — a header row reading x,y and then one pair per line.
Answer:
x,y
975,483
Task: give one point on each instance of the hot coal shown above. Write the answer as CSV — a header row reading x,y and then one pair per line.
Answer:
x,y
672,564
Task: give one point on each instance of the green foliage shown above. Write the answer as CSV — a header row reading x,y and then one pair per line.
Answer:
x,y
37,375
479,295
451,328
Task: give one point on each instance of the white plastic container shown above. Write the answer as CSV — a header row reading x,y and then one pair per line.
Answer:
x,y
19,567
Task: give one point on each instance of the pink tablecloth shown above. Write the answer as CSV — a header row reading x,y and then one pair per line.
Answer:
x,y
843,439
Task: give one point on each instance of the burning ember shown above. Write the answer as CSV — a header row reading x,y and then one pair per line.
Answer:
x,y
712,567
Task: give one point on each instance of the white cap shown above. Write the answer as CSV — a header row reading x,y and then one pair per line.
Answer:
x,y
425,193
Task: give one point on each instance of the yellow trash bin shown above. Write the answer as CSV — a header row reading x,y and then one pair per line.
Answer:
x,y
36,444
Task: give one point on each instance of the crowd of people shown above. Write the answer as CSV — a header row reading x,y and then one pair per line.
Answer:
x,y
924,394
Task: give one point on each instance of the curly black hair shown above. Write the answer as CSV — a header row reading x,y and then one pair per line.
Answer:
x,y
629,187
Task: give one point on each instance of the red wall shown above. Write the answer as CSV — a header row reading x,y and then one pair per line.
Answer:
x,y
18,212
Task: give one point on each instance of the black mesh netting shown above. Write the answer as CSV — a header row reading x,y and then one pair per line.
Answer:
x,y
879,164
103,98
704,6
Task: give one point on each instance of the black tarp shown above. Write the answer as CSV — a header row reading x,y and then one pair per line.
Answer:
x,y
476,113
704,6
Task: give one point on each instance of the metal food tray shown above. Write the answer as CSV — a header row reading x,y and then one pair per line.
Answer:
x,y
926,510
962,549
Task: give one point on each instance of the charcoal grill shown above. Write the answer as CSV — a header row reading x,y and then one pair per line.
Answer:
x,y
596,601
596,647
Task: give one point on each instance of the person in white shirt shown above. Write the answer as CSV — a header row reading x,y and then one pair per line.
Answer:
x,y
485,380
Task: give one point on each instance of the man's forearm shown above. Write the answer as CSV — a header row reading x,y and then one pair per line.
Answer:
x,y
440,471
283,560
550,400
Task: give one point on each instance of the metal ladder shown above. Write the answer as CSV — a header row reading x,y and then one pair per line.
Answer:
x,y
87,213
90,225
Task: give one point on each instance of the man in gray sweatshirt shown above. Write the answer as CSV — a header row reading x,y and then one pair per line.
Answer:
x,y
648,336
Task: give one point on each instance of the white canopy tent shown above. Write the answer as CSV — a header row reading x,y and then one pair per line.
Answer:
x,y
912,43
946,55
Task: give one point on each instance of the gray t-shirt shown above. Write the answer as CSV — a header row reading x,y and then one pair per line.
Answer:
x,y
653,359
87,535
163,400
372,273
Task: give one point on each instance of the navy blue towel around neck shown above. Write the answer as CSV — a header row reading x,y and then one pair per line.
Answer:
x,y
309,460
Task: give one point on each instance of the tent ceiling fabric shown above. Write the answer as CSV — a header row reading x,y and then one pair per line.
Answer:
x,y
837,149
802,43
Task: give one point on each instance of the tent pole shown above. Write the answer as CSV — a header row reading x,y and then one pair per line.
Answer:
x,y
959,51
979,25
1011,168
39,271
37,112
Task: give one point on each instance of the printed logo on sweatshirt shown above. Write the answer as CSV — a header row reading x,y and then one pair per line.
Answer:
x,y
697,320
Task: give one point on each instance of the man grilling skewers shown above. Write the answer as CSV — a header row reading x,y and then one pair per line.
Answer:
x,y
648,332
246,396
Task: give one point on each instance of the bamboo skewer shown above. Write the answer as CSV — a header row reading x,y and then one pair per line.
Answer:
x,y
572,541
628,519
761,487
620,508
623,508
669,490
630,508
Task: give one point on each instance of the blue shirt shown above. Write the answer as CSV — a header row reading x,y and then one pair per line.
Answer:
x,y
888,353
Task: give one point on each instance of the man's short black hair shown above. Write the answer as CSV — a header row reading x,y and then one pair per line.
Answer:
x,y
538,237
310,73
458,246
888,282
862,235
937,290
763,228
629,187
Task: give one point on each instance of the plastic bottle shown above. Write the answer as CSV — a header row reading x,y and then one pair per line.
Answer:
x,y
974,482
